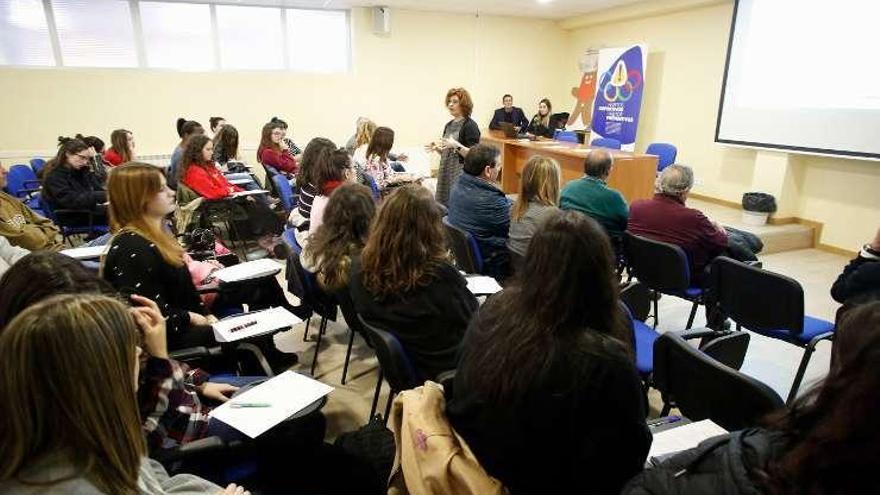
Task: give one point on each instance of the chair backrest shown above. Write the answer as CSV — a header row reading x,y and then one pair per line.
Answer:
x,y
659,265
304,285
703,388
464,248
47,209
756,298
289,238
637,298
285,192
349,314
396,365
21,177
37,164
566,136
374,187
610,143
665,153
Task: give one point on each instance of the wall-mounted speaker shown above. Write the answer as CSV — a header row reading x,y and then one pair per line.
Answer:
x,y
382,21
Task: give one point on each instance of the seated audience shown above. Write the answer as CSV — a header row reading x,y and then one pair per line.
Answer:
x,y
666,218
824,444
365,130
121,148
318,151
273,150
145,259
479,206
216,123
351,144
292,149
199,173
185,129
404,282
540,126
379,163
341,237
70,184
331,171
591,195
538,199
96,150
510,114
24,228
225,146
81,432
860,280
546,393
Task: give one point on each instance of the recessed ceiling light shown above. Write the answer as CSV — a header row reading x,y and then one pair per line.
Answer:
x,y
544,1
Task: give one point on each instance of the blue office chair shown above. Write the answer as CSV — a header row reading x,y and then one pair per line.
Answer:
x,y
68,230
37,164
374,187
769,304
395,365
636,301
22,183
304,285
285,192
289,238
464,247
665,153
664,268
609,143
565,136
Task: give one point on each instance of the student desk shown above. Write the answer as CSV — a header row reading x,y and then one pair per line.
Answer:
x,y
633,174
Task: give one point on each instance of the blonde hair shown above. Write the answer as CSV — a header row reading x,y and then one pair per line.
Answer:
x,y
130,188
364,135
539,183
67,373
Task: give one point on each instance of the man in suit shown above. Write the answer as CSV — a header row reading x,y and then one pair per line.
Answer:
x,y
509,113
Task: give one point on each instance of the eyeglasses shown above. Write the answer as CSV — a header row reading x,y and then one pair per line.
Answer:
x,y
84,157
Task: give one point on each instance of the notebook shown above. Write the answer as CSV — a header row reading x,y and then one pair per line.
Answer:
x,y
252,324
86,253
248,271
481,285
684,437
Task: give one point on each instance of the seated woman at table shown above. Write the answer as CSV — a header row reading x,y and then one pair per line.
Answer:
x,y
227,158
537,361
70,184
274,151
185,129
378,162
540,126
145,259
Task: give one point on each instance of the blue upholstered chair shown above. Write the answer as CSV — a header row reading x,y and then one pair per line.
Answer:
x,y
665,153
609,143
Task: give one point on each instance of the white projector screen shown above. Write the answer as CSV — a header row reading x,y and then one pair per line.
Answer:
x,y
803,75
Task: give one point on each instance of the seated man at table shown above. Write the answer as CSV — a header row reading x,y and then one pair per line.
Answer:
x,y
591,196
665,218
24,228
477,205
509,113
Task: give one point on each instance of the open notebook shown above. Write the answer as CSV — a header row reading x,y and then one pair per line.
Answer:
x,y
86,253
246,325
683,437
248,270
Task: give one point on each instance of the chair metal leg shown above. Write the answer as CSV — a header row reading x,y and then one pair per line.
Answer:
x,y
802,368
656,298
318,343
693,315
347,354
306,331
376,396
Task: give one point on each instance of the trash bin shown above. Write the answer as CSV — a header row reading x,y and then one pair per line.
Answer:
x,y
757,207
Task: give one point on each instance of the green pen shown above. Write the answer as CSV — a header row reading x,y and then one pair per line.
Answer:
x,y
237,405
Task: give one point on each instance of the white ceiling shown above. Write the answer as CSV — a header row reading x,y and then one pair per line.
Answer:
x,y
554,9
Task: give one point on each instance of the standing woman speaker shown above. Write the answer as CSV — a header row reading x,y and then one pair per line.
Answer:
x,y
459,135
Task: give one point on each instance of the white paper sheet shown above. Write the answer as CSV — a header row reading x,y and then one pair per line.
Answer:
x,y
481,285
248,325
683,437
286,394
248,270
238,182
248,193
86,253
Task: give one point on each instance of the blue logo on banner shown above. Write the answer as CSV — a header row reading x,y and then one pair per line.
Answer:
x,y
619,98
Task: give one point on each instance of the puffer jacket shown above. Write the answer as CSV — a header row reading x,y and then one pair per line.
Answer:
x,y
726,465
481,208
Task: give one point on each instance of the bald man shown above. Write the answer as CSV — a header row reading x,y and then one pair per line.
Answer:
x,y
591,195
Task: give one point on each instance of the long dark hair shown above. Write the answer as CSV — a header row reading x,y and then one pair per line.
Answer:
x,y
342,235
317,151
192,153
380,145
226,143
266,139
564,301
65,145
119,143
835,436
93,141
407,243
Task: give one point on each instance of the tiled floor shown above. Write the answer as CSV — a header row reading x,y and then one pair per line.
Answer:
x,y
768,360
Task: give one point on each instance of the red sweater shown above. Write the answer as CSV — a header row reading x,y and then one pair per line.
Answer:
x,y
112,157
278,159
208,182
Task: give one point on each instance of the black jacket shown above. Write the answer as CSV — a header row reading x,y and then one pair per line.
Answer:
x,y
859,282
516,117
69,188
468,136
725,465
430,321
539,129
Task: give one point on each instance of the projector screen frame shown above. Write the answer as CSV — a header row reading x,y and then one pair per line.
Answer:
x,y
770,146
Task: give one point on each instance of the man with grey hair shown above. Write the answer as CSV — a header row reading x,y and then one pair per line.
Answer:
x,y
591,195
666,218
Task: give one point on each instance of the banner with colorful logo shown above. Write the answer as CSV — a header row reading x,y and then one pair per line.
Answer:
x,y
621,82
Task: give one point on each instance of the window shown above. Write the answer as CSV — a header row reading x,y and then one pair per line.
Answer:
x,y
24,34
95,33
318,40
177,35
250,38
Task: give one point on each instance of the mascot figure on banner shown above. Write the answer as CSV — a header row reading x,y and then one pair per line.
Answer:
x,y
583,93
